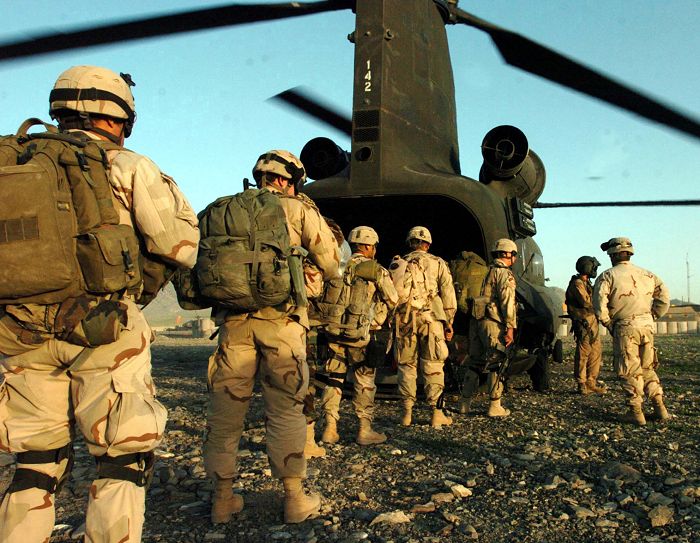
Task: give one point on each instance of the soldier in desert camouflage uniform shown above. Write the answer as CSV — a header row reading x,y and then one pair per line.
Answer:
x,y
493,329
422,323
271,342
316,344
627,299
107,391
381,297
579,305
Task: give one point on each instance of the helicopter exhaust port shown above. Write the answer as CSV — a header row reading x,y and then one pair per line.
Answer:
x,y
510,167
323,158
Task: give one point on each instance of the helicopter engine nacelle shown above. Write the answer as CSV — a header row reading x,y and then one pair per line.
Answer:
x,y
323,158
510,167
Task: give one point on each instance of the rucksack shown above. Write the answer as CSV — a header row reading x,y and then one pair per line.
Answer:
x,y
409,278
345,307
245,261
469,271
60,235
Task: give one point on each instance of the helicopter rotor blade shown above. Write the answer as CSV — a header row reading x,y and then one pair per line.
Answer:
x,y
539,60
301,100
186,21
639,203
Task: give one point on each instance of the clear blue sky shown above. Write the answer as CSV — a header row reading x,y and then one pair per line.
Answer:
x,y
203,115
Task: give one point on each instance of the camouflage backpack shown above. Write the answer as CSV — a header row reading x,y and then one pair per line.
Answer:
x,y
60,235
411,282
245,261
469,271
345,306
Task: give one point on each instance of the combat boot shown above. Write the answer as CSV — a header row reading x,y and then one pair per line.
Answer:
x,y
330,432
298,506
595,388
465,404
311,449
439,419
407,414
497,410
224,503
583,389
660,412
367,436
634,416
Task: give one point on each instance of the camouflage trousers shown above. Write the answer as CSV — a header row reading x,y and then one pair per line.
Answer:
x,y
485,335
364,388
633,361
587,359
107,392
422,343
276,349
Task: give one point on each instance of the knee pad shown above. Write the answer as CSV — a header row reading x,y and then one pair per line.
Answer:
x,y
25,478
115,467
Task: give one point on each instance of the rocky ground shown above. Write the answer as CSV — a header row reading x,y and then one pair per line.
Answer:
x,y
560,468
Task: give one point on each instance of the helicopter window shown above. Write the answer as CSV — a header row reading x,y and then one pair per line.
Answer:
x,y
452,225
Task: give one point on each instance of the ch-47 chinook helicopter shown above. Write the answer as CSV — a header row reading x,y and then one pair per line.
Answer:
x,y
404,158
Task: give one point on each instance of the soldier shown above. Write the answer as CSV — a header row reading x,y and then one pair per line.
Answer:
x,y
579,304
51,385
627,299
422,323
316,343
494,313
270,341
369,296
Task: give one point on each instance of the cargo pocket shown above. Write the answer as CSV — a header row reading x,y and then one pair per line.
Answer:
x,y
137,420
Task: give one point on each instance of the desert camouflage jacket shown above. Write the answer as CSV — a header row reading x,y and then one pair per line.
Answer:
x,y
631,295
499,288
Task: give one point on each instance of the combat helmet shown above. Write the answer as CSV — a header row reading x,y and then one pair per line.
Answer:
x,y
282,163
587,265
617,245
91,89
505,245
420,233
363,234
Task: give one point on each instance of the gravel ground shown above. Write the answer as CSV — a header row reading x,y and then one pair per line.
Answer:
x,y
560,468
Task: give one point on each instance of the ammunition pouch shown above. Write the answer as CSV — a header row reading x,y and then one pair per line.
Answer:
x,y
115,467
369,270
25,478
295,261
109,258
478,307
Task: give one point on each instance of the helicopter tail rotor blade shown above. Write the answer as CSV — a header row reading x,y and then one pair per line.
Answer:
x,y
301,100
639,203
537,59
187,21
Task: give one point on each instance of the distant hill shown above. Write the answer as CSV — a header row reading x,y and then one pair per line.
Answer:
x,y
164,310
